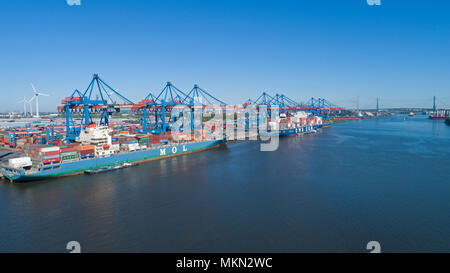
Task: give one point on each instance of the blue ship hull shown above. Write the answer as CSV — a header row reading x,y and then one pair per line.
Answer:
x,y
78,167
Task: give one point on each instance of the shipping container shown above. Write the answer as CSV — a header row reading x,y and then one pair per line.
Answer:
x,y
69,157
49,149
68,149
83,152
86,155
85,147
20,162
48,161
49,153
69,153
50,157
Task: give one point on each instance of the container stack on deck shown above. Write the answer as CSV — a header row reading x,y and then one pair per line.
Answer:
x,y
21,162
69,152
43,154
144,141
115,143
130,143
50,155
86,151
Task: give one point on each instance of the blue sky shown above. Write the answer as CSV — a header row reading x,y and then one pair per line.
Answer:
x,y
339,50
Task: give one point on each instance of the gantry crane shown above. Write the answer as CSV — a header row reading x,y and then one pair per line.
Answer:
x,y
95,99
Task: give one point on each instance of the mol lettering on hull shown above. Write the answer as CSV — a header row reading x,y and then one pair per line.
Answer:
x,y
173,150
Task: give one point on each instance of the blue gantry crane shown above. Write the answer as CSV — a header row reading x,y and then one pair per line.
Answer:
x,y
167,99
322,107
199,99
96,99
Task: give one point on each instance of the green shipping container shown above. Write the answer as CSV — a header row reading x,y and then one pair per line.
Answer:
x,y
69,157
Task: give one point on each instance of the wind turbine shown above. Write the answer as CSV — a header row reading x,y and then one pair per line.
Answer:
x,y
31,106
36,96
24,106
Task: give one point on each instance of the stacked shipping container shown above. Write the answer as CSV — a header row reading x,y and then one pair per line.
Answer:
x,y
43,153
86,151
69,152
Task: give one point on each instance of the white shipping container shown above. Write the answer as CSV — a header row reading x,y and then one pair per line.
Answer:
x,y
301,114
133,146
115,147
69,153
20,162
49,149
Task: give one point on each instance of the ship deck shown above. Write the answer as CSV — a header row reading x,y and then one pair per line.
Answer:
x,y
8,153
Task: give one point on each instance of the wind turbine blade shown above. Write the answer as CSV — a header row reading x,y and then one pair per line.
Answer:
x,y
42,94
34,89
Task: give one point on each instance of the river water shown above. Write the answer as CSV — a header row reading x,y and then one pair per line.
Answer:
x,y
384,179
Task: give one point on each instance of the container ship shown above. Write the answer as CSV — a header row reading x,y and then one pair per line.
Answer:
x,y
297,123
98,149
439,114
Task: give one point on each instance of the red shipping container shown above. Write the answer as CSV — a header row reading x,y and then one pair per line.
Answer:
x,y
72,144
67,149
87,152
50,153
52,160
